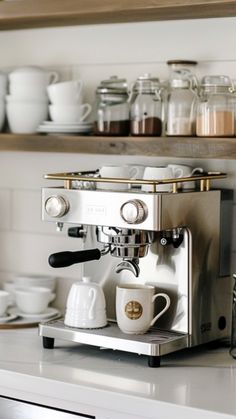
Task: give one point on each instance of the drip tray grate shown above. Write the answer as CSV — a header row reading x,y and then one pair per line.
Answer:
x,y
153,343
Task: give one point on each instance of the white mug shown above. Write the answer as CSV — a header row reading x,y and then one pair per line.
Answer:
x,y
4,302
86,306
187,171
69,114
135,307
114,172
68,92
158,173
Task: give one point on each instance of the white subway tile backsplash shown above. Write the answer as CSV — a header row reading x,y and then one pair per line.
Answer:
x,y
5,209
26,213
29,253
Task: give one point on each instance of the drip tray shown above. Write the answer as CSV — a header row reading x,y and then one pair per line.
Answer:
x,y
153,343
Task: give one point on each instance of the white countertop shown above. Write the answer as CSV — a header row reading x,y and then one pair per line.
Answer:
x,y
80,378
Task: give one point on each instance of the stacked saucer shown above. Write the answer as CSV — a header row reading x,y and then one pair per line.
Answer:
x,y
81,128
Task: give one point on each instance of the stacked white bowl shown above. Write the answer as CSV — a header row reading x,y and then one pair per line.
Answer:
x,y
3,92
27,102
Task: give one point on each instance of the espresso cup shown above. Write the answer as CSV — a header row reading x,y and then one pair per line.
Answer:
x,y
4,302
68,92
158,173
135,307
182,170
69,114
114,172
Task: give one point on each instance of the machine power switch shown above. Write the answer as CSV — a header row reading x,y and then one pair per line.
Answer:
x,y
56,206
134,211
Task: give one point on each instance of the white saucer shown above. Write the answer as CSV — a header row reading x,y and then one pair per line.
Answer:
x,y
8,318
66,124
49,312
75,128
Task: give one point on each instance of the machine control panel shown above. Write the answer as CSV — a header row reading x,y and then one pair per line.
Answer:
x,y
56,206
134,211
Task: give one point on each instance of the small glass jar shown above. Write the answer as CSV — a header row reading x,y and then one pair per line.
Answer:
x,y
216,108
182,99
112,108
146,107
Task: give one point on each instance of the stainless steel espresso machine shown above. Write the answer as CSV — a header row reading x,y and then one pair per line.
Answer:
x,y
178,241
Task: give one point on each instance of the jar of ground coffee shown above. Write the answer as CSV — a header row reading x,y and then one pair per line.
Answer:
x,y
112,108
216,108
146,107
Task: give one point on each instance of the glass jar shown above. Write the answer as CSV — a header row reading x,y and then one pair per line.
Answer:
x,y
215,114
182,99
146,107
112,108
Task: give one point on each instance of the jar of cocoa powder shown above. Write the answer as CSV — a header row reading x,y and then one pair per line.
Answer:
x,y
146,107
112,108
216,108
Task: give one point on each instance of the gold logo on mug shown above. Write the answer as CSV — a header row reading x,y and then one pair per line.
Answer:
x,y
133,310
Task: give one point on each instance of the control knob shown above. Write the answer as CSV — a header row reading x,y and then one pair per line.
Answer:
x,y
56,206
134,211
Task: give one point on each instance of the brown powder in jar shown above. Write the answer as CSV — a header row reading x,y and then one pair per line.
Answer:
x,y
147,126
215,124
111,128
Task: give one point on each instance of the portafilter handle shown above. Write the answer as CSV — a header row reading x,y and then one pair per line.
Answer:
x,y
63,259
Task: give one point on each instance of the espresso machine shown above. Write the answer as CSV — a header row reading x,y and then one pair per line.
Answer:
x,y
178,241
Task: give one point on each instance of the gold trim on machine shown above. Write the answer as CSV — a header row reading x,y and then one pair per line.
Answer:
x,y
205,180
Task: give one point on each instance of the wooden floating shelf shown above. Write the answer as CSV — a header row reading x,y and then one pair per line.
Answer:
x,y
191,147
19,14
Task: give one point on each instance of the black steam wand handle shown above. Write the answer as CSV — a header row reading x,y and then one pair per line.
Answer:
x,y
63,259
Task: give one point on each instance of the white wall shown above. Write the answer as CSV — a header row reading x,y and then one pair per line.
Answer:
x,y
94,53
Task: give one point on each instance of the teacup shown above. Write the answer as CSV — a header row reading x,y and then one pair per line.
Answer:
x,y
32,75
135,307
158,173
114,172
86,306
34,280
69,114
67,93
33,300
187,171
4,302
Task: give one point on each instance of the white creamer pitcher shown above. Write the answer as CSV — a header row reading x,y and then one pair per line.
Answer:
x,y
86,305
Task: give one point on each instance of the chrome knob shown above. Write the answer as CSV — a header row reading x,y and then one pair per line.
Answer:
x,y
56,206
134,211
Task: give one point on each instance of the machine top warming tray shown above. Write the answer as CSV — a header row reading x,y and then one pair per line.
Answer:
x,y
93,176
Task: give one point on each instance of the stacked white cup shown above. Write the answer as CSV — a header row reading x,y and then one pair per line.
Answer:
x,y
3,92
67,105
27,102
